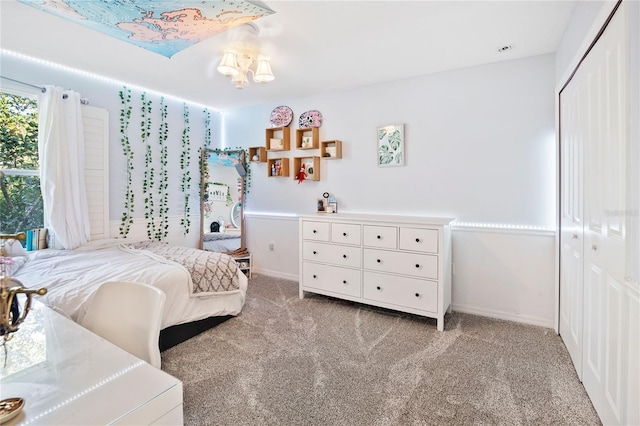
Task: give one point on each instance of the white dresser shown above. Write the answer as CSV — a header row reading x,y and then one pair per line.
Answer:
x,y
395,262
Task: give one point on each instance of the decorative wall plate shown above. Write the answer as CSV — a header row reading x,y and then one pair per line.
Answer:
x,y
281,116
311,118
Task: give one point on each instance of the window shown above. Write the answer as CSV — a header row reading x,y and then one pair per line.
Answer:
x,y
21,205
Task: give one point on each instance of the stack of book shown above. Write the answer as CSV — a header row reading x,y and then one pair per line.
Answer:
x,y
36,239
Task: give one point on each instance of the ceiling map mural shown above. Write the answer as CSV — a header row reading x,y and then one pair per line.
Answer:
x,y
163,27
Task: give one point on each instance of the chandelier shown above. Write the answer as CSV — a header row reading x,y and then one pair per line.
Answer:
x,y
242,55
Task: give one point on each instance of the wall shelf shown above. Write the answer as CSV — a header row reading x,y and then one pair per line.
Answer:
x,y
331,150
280,134
260,151
311,163
304,134
278,167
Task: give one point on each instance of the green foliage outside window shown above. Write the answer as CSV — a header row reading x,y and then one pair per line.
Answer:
x,y
20,198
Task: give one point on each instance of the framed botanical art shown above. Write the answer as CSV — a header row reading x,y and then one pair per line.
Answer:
x,y
391,145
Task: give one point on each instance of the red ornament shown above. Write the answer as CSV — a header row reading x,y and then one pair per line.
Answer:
x,y
302,174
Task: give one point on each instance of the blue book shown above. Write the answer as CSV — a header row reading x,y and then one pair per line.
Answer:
x,y
29,245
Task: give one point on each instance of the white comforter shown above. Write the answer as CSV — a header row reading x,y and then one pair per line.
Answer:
x,y
72,276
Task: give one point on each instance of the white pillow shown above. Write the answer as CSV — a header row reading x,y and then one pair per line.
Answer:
x,y
13,248
12,264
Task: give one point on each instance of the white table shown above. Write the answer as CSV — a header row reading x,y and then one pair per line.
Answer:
x,y
68,375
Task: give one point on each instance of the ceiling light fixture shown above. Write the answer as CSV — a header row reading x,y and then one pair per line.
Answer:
x,y
242,55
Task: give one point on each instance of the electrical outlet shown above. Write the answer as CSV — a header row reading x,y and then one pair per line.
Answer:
x,y
272,246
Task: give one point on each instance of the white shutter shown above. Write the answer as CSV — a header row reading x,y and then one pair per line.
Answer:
x,y
96,168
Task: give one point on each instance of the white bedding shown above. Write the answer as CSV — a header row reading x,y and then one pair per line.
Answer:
x,y
72,276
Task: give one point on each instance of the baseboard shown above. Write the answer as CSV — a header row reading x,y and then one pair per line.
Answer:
x,y
275,274
524,319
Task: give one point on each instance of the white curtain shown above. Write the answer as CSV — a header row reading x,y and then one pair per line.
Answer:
x,y
61,155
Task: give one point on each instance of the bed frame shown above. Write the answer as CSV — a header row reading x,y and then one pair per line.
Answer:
x,y
176,334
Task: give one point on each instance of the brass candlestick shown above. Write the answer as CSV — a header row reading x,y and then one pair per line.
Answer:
x,y
11,313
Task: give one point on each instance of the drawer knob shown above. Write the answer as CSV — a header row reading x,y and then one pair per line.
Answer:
x,y
417,240
344,234
315,252
315,276
378,288
379,237
379,261
314,231
417,294
344,256
417,265
344,281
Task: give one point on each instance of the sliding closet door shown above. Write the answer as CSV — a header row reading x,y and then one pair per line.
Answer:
x,y
572,122
606,72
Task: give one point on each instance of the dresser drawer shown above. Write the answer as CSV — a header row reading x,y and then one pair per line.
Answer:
x,y
416,239
345,233
401,291
380,236
318,231
331,278
328,253
396,262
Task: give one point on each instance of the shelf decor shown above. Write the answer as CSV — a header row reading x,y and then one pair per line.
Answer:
x,y
281,116
391,145
311,118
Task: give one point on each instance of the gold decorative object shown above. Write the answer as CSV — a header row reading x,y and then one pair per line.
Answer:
x,y
9,408
11,313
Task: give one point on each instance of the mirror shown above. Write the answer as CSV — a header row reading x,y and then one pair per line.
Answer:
x,y
222,200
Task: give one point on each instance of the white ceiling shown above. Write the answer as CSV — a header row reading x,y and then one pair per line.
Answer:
x,y
315,46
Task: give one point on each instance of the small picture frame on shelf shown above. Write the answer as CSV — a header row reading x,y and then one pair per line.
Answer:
x,y
307,142
331,151
322,205
275,143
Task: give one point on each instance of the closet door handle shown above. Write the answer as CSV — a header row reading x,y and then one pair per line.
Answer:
x,y
574,236
594,247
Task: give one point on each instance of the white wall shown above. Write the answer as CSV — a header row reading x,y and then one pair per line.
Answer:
x,y
480,148
103,93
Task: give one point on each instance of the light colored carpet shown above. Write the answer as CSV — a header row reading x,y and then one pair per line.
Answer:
x,y
323,361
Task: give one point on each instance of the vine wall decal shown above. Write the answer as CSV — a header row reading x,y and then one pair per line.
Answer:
x,y
185,162
163,183
148,182
125,117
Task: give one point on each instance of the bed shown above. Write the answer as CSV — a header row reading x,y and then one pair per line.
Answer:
x,y
220,242
72,276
